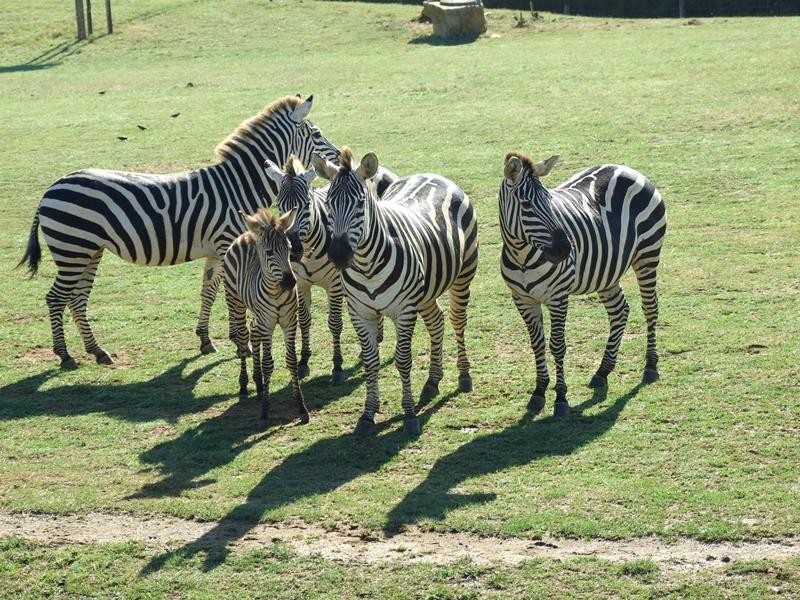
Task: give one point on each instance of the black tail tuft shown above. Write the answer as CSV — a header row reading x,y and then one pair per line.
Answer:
x,y
33,253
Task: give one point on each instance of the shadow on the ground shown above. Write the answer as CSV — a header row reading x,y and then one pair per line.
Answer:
x,y
51,57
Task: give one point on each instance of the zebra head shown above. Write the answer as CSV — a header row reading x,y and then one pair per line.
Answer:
x,y
269,233
349,196
526,206
294,193
307,138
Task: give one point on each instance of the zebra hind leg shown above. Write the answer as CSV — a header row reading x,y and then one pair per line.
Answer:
x,y
617,307
211,278
77,305
434,322
404,326
459,298
645,269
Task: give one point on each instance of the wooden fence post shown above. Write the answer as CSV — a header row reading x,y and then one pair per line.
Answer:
x,y
89,28
79,19
109,23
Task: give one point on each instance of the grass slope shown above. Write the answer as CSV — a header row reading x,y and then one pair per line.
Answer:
x,y
709,112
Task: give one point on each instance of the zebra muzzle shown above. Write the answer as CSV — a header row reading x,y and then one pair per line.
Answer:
x,y
559,249
288,281
340,253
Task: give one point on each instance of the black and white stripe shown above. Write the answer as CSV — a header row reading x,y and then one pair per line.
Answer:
x,y
578,238
157,220
397,257
259,278
314,268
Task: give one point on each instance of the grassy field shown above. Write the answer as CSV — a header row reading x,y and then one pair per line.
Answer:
x,y
708,111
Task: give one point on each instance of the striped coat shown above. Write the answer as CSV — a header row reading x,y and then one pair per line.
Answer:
x,y
258,278
397,257
157,220
579,238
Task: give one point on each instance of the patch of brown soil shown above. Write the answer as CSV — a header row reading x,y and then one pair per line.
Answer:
x,y
417,546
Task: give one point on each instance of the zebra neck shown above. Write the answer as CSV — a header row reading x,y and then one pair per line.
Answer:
x,y
238,183
317,238
375,241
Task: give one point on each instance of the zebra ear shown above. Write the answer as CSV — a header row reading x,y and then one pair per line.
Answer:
x,y
323,167
368,166
253,224
302,110
273,171
543,168
286,220
310,175
513,170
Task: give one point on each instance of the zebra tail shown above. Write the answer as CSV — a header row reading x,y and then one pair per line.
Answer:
x,y
33,253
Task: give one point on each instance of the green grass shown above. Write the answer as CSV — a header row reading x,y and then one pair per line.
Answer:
x,y
110,570
708,112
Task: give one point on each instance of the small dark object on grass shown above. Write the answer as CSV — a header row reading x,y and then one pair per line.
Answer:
x,y
190,84
173,115
141,127
101,92
122,138
421,19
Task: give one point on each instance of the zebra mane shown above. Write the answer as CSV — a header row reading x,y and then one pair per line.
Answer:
x,y
293,166
247,130
345,161
527,161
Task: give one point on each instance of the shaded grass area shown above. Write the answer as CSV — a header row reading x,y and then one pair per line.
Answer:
x,y
32,570
709,452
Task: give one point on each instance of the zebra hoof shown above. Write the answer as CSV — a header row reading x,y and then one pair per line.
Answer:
x,y
103,358
69,364
303,371
650,376
337,377
598,382
365,427
243,396
536,404
560,409
465,384
429,390
304,418
411,426
208,347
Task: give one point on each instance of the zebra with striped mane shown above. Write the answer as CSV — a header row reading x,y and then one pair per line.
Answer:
x,y
313,267
259,278
158,220
397,257
579,238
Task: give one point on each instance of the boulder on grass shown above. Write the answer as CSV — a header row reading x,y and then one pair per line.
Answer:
x,y
455,18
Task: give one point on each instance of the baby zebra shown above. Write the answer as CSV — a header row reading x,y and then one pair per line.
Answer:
x,y
579,238
258,277
397,257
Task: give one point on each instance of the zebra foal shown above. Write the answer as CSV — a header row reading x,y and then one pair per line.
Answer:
x,y
579,238
259,278
397,257
158,220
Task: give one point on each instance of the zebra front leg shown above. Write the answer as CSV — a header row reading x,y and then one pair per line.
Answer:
x,y
367,332
335,298
532,315
617,307
646,277
211,277
434,322
261,364
558,346
404,328
304,318
77,306
289,333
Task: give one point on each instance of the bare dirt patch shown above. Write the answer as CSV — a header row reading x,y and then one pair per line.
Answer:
x,y
415,545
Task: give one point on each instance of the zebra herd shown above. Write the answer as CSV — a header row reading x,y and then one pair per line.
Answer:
x,y
391,246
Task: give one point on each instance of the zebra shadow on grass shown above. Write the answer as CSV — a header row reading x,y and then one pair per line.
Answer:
x,y
219,440
166,396
322,468
515,446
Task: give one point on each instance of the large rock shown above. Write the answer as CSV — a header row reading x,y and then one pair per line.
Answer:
x,y
455,18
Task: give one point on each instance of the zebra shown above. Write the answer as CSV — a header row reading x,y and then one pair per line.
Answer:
x,y
157,220
397,257
579,238
313,266
258,277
